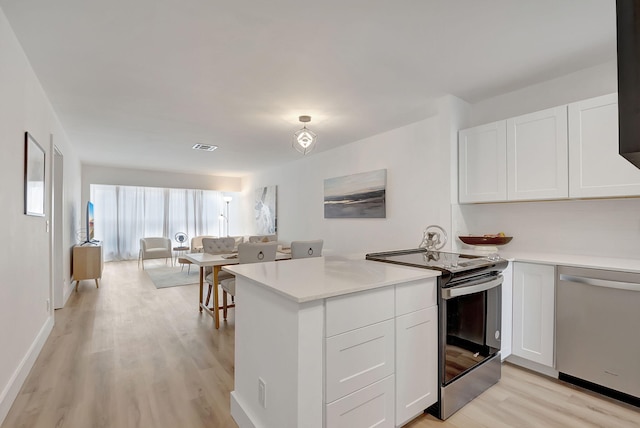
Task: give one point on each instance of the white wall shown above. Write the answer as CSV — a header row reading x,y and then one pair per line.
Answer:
x,y
588,83
590,227
417,158
25,321
96,174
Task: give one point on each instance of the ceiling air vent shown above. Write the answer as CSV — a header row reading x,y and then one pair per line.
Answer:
x,y
205,147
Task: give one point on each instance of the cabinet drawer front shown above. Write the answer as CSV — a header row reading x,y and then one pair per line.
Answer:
x,y
352,311
413,296
416,363
358,358
369,407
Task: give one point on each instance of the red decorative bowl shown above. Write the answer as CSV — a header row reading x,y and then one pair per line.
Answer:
x,y
485,240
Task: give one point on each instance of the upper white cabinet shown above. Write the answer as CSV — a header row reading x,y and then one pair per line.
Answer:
x,y
559,153
522,158
596,168
537,155
482,154
534,312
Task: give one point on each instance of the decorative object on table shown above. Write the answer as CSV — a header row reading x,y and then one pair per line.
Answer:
x,y
356,196
304,140
487,243
181,238
497,239
34,170
265,210
263,238
433,238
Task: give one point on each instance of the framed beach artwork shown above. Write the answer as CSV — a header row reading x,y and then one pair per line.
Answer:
x,y
34,163
265,210
356,196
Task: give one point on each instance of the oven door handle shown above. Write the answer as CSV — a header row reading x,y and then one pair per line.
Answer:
x,y
449,293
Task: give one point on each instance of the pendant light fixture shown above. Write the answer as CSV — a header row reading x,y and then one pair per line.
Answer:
x,y
304,140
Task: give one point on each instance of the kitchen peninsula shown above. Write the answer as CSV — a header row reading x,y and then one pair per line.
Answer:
x,y
317,340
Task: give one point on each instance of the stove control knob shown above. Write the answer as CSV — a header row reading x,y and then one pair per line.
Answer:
x,y
497,335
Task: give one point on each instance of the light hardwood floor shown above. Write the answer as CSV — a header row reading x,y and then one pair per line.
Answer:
x,y
129,355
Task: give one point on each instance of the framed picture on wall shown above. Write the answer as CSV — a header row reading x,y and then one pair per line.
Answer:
x,y
34,166
356,196
265,210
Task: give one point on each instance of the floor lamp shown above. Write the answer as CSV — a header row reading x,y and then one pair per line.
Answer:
x,y
227,199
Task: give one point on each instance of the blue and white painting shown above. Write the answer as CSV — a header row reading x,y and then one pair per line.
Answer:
x,y
356,196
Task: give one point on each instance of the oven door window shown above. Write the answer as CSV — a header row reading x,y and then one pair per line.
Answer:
x,y
469,325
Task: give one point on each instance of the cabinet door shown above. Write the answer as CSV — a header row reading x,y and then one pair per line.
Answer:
x,y
596,168
87,262
534,312
537,163
416,363
369,407
507,312
358,358
482,163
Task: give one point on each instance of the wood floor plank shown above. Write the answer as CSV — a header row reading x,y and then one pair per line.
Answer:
x,y
128,355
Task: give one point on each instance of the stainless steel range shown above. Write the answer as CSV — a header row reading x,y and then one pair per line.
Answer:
x,y
470,312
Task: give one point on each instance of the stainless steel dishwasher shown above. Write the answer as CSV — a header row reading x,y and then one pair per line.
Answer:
x,y
598,331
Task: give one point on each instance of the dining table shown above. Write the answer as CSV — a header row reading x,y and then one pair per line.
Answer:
x,y
216,261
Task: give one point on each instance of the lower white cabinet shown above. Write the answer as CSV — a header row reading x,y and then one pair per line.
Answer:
x,y
507,312
416,363
358,358
368,407
534,312
381,355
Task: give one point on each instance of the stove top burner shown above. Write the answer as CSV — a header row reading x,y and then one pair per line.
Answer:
x,y
452,265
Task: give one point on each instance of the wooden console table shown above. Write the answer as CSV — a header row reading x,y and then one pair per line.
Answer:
x,y
87,263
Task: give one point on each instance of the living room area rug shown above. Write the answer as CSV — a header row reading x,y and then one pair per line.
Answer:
x,y
169,276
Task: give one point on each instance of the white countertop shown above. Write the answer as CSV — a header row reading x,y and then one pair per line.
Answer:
x,y
305,280
593,262
574,260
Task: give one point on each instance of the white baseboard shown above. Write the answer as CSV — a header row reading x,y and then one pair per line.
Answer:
x,y
11,390
242,418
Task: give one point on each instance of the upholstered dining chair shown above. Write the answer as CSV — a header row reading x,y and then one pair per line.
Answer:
x,y
306,249
217,246
196,247
255,252
154,248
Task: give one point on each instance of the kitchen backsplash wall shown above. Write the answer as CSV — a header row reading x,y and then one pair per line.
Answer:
x,y
606,227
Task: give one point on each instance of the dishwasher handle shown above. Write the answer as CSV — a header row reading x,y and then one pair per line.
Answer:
x,y
607,283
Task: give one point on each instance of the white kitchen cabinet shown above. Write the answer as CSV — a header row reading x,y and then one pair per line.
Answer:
x,y
596,169
482,163
368,407
534,312
507,312
364,348
416,363
358,358
537,159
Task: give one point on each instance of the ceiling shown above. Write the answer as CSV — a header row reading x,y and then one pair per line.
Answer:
x,y
137,83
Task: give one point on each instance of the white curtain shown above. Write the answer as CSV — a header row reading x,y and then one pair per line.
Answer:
x,y
124,214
